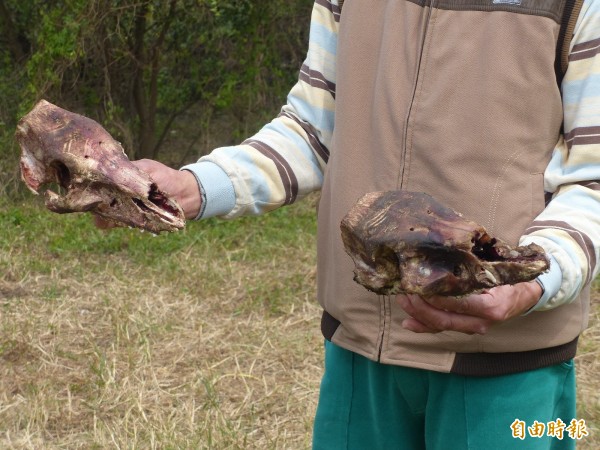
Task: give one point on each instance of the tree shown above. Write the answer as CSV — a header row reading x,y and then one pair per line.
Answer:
x,y
139,65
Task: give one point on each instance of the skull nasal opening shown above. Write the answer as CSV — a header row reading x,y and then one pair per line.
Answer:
x,y
484,248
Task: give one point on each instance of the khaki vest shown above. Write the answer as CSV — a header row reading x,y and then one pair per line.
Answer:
x,y
458,99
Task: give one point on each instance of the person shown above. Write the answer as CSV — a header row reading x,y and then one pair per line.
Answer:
x,y
459,100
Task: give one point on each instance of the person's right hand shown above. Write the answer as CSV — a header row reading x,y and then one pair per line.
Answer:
x,y
180,185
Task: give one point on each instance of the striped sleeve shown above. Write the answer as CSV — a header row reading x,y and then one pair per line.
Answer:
x,y
285,160
569,227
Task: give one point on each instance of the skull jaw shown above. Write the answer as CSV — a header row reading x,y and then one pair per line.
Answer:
x,y
152,220
427,278
118,208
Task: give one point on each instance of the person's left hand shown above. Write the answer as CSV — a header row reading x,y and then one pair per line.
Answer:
x,y
472,314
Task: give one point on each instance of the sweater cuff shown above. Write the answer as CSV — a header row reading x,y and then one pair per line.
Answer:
x,y
216,189
550,282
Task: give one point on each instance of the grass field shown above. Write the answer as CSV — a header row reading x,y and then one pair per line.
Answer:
x,y
205,338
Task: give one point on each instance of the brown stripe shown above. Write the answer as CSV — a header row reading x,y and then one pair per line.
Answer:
x,y
316,79
288,178
585,50
582,131
583,140
593,185
584,55
583,136
311,133
586,45
582,239
335,10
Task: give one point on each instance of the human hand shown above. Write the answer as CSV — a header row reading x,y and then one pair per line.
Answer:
x,y
180,185
472,314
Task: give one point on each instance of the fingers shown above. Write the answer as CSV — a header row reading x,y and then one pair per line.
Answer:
x,y
426,318
181,185
484,305
470,314
164,176
416,326
159,172
497,304
147,165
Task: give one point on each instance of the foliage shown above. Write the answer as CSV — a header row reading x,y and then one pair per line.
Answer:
x,y
145,68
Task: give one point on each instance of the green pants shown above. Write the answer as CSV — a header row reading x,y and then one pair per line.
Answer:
x,y
368,405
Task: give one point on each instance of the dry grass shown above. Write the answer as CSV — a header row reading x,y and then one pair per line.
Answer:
x,y
189,352
588,377
205,340
114,365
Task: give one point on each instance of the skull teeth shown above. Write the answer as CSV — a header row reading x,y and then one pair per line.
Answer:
x,y
490,276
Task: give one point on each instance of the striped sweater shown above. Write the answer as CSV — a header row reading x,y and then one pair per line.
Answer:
x,y
286,159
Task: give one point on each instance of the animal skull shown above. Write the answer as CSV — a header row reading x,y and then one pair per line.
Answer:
x,y
82,157
406,242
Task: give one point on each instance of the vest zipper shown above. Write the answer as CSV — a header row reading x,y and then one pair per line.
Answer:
x,y
386,299
414,93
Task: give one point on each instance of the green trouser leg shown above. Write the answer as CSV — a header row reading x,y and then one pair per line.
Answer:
x,y
367,405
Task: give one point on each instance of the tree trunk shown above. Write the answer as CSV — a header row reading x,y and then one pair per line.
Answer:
x,y
146,97
16,43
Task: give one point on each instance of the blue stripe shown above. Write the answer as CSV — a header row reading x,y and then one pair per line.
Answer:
x,y
240,157
323,37
584,112
578,173
577,199
575,90
575,173
594,7
320,118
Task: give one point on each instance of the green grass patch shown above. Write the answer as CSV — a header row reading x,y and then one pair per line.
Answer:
x,y
49,238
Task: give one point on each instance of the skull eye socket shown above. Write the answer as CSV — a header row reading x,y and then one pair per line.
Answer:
x,y
63,175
